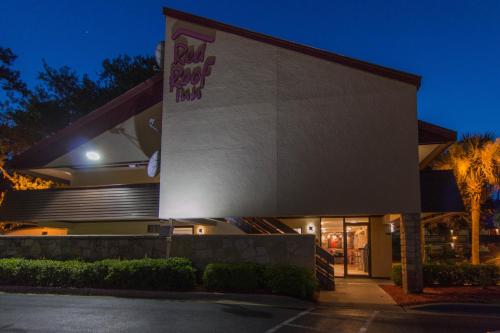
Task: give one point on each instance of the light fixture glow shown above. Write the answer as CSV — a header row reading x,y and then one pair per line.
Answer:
x,y
93,155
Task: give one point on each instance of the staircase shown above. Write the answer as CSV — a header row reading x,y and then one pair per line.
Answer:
x,y
269,225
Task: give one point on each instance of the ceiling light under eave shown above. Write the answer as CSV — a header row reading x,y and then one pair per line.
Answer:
x,y
93,155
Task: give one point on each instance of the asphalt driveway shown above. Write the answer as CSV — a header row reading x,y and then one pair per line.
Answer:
x,y
65,313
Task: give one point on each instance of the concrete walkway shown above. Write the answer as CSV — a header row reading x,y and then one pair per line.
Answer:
x,y
359,293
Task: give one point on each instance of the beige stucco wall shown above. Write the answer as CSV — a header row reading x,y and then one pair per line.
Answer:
x,y
221,228
278,133
109,228
304,224
129,228
381,247
38,231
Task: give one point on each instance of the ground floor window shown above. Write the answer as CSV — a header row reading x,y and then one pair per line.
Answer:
x,y
348,240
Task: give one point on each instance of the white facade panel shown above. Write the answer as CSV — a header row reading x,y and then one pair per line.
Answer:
x,y
279,133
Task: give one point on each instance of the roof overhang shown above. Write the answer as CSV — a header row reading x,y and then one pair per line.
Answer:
x,y
432,134
433,140
125,106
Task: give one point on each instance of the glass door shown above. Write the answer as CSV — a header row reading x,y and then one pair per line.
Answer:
x,y
332,240
348,240
357,249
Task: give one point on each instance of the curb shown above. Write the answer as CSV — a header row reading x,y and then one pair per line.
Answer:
x,y
480,307
250,299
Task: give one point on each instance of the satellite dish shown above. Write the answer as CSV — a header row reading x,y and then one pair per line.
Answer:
x,y
154,164
152,125
159,52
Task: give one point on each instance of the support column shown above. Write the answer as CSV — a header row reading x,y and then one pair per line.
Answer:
x,y
411,259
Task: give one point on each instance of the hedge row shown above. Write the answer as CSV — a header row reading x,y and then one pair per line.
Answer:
x,y
158,274
280,279
454,275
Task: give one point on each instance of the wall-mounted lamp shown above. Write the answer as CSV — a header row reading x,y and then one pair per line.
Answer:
x,y
200,231
310,228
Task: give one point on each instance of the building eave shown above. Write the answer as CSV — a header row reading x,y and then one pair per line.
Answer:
x,y
130,103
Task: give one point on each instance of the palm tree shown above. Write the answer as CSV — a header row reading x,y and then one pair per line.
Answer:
x,y
475,161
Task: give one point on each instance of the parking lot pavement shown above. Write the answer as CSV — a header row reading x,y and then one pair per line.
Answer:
x,y
64,313
384,320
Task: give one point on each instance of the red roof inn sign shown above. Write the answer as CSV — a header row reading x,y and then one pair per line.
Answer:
x,y
188,81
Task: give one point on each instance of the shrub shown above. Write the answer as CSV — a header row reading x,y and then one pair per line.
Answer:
x,y
454,275
397,274
280,279
161,274
290,280
237,277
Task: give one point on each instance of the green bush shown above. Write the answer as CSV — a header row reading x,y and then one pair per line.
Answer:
x,y
454,275
159,274
280,279
290,280
397,274
236,277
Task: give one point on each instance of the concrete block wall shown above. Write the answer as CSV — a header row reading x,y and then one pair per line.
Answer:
x,y
278,249
202,250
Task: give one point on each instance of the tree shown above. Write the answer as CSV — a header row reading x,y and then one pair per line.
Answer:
x,y
15,90
475,161
60,97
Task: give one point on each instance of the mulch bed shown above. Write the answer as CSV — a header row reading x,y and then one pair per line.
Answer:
x,y
466,294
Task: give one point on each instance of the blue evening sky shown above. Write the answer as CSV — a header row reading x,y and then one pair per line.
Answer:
x,y
454,45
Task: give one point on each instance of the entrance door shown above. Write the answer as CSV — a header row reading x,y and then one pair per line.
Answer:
x,y
348,240
357,245
332,240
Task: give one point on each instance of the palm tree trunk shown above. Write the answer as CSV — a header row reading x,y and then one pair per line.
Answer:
x,y
475,213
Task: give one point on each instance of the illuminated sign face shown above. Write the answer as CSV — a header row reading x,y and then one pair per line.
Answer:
x,y
190,67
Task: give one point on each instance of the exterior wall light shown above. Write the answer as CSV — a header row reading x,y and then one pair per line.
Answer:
x,y
310,228
200,231
93,155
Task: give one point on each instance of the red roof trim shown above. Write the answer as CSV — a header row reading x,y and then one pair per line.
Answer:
x,y
432,134
130,103
343,60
